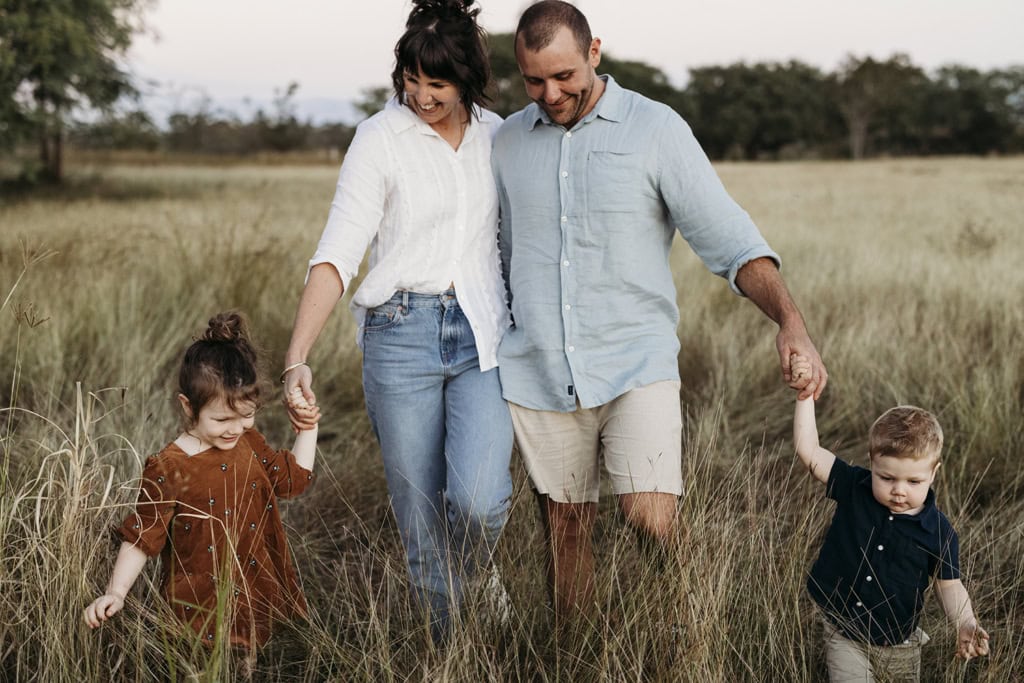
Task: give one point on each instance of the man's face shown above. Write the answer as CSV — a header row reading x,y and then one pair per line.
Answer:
x,y
901,484
560,78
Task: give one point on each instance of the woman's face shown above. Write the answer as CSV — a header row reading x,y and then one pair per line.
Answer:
x,y
434,100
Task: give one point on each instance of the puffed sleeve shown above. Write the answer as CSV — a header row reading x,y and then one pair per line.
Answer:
x,y
286,475
148,526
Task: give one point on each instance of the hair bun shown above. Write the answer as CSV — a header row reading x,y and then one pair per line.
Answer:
x,y
442,9
226,327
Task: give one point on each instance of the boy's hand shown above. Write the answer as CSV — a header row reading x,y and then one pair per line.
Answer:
x,y
972,641
102,608
799,370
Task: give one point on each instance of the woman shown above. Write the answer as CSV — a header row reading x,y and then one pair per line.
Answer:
x,y
416,186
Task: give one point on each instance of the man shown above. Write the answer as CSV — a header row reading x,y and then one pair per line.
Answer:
x,y
593,182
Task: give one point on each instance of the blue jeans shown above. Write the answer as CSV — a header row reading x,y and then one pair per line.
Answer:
x,y
446,439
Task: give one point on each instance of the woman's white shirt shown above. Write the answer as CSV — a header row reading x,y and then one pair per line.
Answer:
x,y
428,213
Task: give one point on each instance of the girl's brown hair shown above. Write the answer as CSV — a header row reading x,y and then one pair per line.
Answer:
x,y
221,363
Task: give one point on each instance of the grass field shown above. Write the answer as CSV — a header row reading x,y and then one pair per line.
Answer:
x,y
908,272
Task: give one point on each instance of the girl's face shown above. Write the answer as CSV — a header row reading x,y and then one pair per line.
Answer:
x,y
434,100
218,424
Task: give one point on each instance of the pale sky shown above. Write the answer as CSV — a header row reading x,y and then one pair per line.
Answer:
x,y
235,49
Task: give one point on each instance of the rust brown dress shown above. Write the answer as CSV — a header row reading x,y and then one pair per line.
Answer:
x,y
213,519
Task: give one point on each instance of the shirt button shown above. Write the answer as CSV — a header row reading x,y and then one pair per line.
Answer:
x,y
565,219
565,263
571,349
568,134
867,578
568,307
565,174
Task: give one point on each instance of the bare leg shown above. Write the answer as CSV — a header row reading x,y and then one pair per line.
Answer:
x,y
569,528
653,517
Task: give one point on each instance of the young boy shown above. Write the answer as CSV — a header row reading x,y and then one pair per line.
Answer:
x,y
886,541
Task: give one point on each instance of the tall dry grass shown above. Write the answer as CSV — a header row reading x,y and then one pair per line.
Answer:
x,y
907,271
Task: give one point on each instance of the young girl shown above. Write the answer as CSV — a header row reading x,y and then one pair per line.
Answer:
x,y
208,502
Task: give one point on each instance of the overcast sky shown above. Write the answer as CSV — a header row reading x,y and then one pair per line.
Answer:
x,y
230,50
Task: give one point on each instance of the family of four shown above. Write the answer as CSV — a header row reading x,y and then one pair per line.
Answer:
x,y
519,289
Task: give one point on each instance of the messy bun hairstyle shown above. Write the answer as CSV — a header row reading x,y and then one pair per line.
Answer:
x,y
221,363
443,39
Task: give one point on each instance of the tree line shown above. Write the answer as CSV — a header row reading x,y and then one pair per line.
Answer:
x,y
58,60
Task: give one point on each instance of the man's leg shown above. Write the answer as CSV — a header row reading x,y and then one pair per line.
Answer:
x,y
653,516
569,529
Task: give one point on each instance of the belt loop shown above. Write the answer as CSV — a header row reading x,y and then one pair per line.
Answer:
x,y
405,299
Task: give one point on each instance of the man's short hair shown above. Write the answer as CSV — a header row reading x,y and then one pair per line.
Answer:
x,y
906,432
541,21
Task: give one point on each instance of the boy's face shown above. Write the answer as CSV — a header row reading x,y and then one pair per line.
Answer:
x,y
901,484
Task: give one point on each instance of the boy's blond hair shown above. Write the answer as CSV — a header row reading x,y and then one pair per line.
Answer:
x,y
906,432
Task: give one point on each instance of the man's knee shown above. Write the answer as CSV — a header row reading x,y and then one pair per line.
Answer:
x,y
652,513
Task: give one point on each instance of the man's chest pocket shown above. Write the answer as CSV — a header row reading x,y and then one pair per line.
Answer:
x,y
616,182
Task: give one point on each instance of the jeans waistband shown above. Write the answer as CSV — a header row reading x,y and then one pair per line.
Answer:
x,y
417,300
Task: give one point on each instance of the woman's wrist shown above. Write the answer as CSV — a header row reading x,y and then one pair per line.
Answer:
x,y
292,366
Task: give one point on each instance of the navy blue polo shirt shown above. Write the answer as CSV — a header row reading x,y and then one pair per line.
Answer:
x,y
874,566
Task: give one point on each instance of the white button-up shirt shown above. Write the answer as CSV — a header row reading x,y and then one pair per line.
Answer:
x,y
429,214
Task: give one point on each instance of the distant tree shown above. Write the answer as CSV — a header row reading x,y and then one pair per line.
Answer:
x,y
507,92
373,100
126,130
974,112
881,102
59,56
761,110
282,131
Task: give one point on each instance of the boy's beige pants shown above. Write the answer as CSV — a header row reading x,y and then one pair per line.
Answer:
x,y
850,661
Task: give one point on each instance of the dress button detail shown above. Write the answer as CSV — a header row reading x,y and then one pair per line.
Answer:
x,y
252,525
188,608
264,461
254,486
227,511
223,467
212,501
270,506
187,527
276,468
209,548
159,480
252,563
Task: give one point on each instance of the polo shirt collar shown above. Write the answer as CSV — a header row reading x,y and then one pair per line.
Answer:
x,y
928,517
611,106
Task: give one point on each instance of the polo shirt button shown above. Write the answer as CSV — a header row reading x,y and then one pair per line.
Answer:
x,y
890,518
881,547
860,604
867,578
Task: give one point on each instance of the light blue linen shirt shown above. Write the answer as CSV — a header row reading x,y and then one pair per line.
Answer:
x,y
587,221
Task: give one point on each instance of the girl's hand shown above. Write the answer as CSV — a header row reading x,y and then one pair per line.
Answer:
x,y
102,608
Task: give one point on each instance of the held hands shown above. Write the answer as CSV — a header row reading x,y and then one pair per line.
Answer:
x,y
106,606
814,377
971,641
300,399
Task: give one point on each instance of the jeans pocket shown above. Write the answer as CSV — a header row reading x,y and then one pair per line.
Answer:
x,y
383,317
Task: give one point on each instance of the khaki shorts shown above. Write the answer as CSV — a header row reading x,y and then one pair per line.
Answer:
x,y
639,434
849,661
